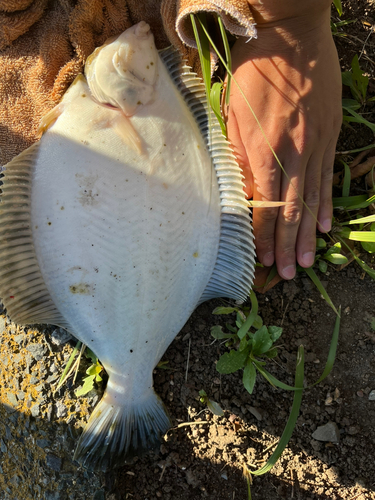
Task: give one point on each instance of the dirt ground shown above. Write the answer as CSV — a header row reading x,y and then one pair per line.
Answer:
x,y
203,456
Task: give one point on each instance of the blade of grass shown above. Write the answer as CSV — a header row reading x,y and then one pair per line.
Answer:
x,y
364,266
215,101
228,57
368,236
359,201
69,364
361,220
332,350
314,278
347,179
273,380
251,318
289,428
370,146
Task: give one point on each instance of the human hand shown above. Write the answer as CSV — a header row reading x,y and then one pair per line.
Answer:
x,y
291,78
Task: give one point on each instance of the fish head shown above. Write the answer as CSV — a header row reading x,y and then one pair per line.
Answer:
x,y
123,72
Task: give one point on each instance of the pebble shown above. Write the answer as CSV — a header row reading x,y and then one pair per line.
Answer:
x,y
371,396
328,433
36,350
61,410
2,324
35,410
60,336
255,412
53,462
12,398
19,338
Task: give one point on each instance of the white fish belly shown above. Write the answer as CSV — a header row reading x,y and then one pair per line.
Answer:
x,y
126,242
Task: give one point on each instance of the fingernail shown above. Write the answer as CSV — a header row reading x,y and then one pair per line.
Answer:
x,y
289,272
326,225
268,259
308,259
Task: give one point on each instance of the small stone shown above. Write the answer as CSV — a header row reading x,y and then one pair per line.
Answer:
x,y
224,475
2,323
328,433
53,462
34,380
40,387
19,338
191,478
360,394
60,336
61,410
371,396
12,398
99,495
3,447
42,443
35,410
36,350
20,395
53,368
255,412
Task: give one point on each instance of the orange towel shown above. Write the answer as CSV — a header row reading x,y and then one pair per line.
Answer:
x,y
43,46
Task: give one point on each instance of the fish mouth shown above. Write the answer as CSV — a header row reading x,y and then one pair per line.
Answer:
x,y
142,30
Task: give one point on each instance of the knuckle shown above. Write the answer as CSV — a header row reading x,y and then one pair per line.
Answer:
x,y
268,214
292,215
312,199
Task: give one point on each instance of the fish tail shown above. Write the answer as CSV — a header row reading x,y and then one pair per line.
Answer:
x,y
116,433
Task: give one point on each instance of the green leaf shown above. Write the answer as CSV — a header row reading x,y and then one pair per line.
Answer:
x,y
215,101
215,408
292,420
231,328
320,243
332,350
243,343
351,103
69,364
258,322
347,179
249,376
224,310
369,246
261,341
87,386
360,80
347,79
336,258
357,118
275,332
323,266
251,317
314,278
368,236
363,220
272,353
337,4
217,333
351,202
228,57
232,361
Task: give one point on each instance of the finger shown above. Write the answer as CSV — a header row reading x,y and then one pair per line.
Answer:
x,y
289,218
306,239
267,178
325,208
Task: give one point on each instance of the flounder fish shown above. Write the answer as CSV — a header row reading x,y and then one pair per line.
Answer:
x,y
126,215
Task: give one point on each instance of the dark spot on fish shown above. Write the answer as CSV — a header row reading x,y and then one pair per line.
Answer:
x,y
81,288
151,208
36,227
151,63
83,95
164,144
49,223
131,350
96,269
147,67
62,208
183,213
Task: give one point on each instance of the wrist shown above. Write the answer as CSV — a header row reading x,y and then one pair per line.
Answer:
x,y
290,27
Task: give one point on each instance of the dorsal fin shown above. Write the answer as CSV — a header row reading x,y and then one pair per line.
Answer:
x,y
233,273
22,287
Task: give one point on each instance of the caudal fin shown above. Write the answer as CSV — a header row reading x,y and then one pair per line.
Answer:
x,y
116,434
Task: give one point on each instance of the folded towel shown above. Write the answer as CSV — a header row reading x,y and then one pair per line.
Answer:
x,y
44,45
